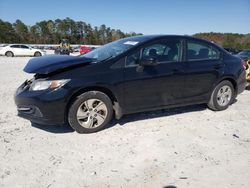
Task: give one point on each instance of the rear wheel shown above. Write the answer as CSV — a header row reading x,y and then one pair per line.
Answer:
x,y
37,54
90,112
222,96
9,54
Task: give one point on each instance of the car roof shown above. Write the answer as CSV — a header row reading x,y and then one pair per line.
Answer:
x,y
147,38
18,44
142,38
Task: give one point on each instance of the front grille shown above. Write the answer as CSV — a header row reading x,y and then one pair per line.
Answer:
x,y
24,109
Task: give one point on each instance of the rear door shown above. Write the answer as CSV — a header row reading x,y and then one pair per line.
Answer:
x,y
155,85
204,68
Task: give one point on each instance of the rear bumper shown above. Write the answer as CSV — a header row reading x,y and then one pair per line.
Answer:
x,y
241,87
242,83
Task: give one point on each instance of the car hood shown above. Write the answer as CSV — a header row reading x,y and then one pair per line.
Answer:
x,y
51,63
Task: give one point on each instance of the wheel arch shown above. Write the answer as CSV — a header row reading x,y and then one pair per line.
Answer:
x,y
230,79
9,51
37,52
233,81
102,89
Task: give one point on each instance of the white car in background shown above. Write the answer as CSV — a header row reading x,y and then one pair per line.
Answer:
x,y
20,50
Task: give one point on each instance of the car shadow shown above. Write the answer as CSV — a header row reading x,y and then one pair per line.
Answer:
x,y
65,128
156,114
58,129
235,100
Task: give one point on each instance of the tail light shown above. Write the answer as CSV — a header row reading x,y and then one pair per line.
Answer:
x,y
243,63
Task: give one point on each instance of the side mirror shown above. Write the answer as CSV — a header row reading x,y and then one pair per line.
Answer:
x,y
148,61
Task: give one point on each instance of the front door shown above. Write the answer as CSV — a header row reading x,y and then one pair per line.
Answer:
x,y
156,85
26,50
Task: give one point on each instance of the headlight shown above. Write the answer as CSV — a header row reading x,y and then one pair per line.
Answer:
x,y
38,85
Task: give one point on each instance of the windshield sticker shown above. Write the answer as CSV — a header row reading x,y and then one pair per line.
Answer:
x,y
131,42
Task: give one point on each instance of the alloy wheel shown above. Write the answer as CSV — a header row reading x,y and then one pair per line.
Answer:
x,y
92,113
224,95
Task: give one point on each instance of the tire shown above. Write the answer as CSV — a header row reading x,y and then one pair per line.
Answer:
x,y
9,54
90,112
222,96
37,54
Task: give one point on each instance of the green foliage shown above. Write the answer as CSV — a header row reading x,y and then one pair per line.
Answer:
x,y
227,40
7,32
79,32
21,30
51,32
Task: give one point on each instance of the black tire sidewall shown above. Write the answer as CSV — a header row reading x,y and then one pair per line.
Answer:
x,y
39,54
9,52
72,120
215,92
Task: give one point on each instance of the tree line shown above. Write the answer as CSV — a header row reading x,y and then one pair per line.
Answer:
x,y
53,31
79,32
227,40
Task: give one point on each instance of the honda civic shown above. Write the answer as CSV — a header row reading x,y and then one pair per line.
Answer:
x,y
136,74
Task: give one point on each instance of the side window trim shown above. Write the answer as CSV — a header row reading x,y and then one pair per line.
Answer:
x,y
181,52
15,46
202,44
24,46
133,65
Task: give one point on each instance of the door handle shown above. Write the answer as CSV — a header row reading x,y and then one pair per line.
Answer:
x,y
178,71
218,66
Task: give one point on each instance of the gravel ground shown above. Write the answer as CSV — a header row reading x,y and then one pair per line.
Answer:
x,y
182,147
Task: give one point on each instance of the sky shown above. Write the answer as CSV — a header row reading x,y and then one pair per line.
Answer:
x,y
141,16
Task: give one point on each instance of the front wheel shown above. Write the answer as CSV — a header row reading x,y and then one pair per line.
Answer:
x,y
222,96
90,112
9,54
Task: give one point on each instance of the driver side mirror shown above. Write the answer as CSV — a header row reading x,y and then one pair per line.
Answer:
x,y
148,61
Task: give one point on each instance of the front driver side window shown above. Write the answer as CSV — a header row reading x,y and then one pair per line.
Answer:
x,y
162,51
15,46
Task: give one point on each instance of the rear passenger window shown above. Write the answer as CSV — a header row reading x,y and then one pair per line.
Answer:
x,y
25,47
200,51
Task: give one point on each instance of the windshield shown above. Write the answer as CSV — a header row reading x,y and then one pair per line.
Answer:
x,y
111,50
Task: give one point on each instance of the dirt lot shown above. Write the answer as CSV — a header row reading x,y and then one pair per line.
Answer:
x,y
183,147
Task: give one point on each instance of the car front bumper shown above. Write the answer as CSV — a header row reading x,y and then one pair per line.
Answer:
x,y
42,107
